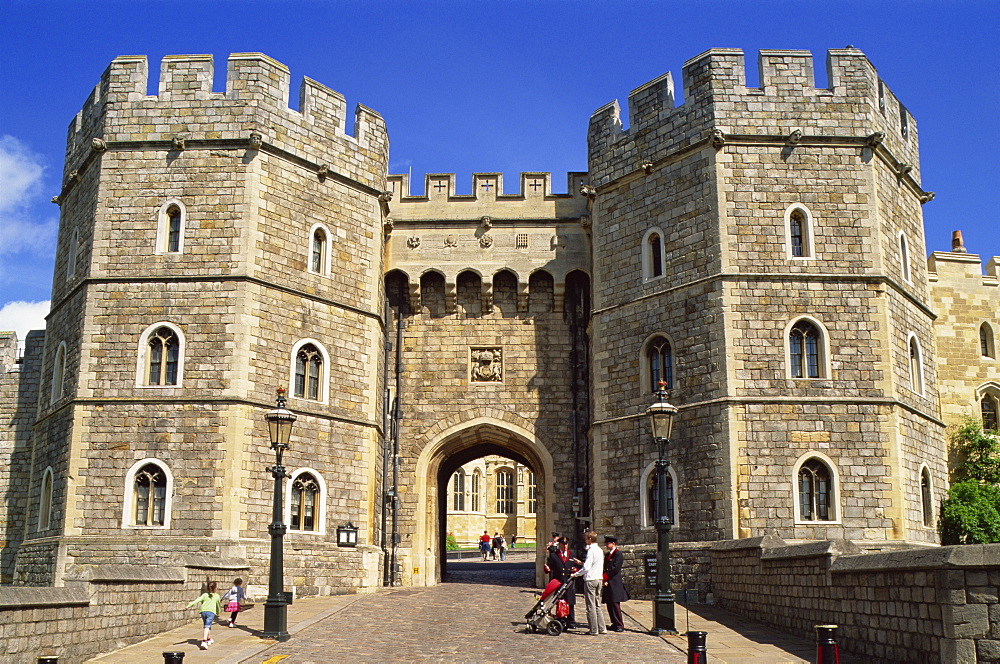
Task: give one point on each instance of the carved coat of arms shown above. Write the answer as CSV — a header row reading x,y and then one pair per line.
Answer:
x,y
487,365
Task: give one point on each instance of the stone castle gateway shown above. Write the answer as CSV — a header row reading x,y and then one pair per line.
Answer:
x,y
760,249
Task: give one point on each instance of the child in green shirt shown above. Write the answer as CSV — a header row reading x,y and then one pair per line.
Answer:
x,y
210,605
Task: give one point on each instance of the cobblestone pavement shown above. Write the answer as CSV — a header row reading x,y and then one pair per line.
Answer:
x,y
477,616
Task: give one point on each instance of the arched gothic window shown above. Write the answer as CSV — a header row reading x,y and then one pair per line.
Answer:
x,y
815,491
805,350
304,504
458,491
58,374
926,501
532,493
904,257
45,501
505,492
318,252
988,406
653,499
149,488
660,359
476,488
916,366
653,254
799,232
986,344
173,229
162,357
308,373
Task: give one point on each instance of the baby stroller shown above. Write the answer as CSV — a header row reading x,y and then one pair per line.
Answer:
x,y
544,615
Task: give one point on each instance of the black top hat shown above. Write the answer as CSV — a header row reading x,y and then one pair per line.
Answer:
x,y
610,538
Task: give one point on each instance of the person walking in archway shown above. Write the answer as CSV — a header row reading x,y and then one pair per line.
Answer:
x,y
495,548
484,544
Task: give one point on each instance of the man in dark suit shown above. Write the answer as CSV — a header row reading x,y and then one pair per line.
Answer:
x,y
614,588
561,566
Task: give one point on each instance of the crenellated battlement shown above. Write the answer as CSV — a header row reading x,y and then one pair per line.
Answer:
x,y
718,104
255,101
533,197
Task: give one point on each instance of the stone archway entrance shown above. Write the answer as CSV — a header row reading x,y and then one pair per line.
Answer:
x,y
449,450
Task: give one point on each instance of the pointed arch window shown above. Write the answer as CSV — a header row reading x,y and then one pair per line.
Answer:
x,y
305,502
163,357
318,251
653,254
904,257
58,374
150,490
308,373
45,501
476,488
505,492
989,405
987,347
916,366
173,229
926,501
805,350
458,492
532,493
660,360
653,498
816,491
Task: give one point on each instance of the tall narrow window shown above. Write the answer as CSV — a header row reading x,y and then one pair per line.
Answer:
x,y
317,258
150,491
308,370
173,229
45,501
163,356
532,493
304,505
655,256
988,406
986,343
660,358
74,242
926,503
804,350
476,488
815,491
653,499
505,492
904,257
458,491
916,367
798,232
58,374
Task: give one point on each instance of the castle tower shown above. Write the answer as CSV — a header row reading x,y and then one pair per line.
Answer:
x,y
760,248
213,247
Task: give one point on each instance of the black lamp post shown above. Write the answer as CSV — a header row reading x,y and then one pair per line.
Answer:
x,y
279,428
661,420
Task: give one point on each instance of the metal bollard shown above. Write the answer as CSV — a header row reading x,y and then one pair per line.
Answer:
x,y
173,658
826,645
697,651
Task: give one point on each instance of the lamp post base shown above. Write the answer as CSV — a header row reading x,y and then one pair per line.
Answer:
x,y
275,620
661,631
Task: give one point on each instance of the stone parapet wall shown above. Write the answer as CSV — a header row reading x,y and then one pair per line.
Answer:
x,y
690,571
95,612
930,605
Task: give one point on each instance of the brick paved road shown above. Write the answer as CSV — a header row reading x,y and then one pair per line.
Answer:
x,y
478,616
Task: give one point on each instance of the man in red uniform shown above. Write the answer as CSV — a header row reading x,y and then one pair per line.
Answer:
x,y
614,587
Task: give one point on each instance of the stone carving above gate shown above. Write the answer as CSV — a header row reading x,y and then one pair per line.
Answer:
x,y
487,365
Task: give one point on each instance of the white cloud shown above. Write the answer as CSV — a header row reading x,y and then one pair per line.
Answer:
x,y
21,173
22,317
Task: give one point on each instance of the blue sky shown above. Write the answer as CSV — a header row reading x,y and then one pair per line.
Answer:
x,y
487,86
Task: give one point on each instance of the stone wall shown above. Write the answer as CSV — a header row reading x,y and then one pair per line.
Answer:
x,y
923,604
96,610
690,571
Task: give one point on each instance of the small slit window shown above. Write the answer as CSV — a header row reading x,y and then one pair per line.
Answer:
x,y
318,251
74,242
987,347
653,254
171,227
926,500
799,232
58,374
904,257
45,501
916,366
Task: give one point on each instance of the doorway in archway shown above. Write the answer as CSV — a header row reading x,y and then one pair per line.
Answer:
x,y
487,490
